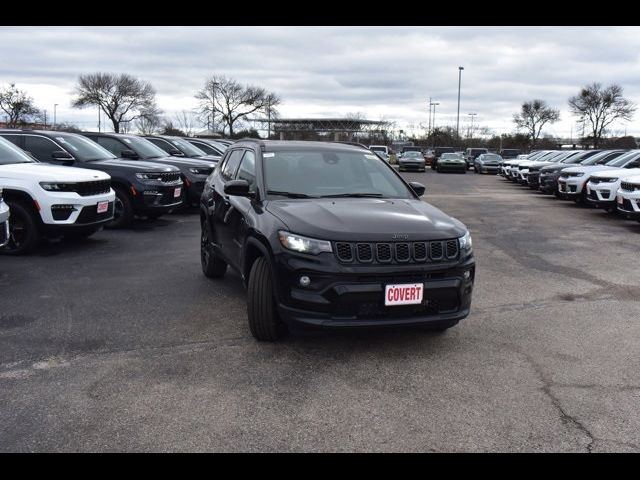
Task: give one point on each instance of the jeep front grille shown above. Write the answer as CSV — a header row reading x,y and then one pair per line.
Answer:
x,y
629,187
397,252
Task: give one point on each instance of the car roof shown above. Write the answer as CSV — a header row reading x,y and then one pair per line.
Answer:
x,y
281,145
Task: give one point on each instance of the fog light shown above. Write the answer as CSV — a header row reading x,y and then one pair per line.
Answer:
x,y
467,275
305,281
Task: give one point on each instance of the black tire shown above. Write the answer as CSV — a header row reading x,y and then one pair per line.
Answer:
x,y
475,170
264,323
24,229
212,266
123,210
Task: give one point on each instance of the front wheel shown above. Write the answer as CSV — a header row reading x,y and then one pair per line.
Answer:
x,y
123,210
24,229
264,322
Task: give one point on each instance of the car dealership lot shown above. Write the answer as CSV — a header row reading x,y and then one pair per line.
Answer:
x,y
120,343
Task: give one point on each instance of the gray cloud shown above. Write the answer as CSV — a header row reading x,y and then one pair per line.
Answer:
x,y
380,71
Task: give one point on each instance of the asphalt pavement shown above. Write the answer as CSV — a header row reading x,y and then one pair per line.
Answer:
x,y
119,343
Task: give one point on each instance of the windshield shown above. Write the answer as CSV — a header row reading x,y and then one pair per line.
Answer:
x,y
623,160
451,156
10,154
602,157
378,149
143,147
82,148
577,158
411,155
491,156
186,148
309,173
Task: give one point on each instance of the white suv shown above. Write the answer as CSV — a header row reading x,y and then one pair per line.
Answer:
x,y
603,186
50,200
629,198
4,222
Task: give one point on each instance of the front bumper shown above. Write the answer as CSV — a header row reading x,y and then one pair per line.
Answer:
x,y
602,194
4,224
548,182
460,167
157,198
343,296
418,166
629,204
488,168
533,179
69,209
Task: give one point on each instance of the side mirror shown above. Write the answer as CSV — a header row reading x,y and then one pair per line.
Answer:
x,y
238,188
418,188
174,152
60,156
129,154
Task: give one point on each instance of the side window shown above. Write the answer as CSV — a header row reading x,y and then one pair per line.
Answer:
x,y
40,147
205,148
247,170
15,139
113,145
164,145
231,165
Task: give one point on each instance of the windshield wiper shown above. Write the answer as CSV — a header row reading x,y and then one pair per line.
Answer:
x,y
353,195
289,194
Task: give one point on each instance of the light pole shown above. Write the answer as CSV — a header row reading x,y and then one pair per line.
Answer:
x,y
55,105
434,113
213,105
429,129
459,82
472,115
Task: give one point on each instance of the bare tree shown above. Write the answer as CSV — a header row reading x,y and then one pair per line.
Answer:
x,y
18,107
186,122
232,101
150,123
599,107
533,116
122,97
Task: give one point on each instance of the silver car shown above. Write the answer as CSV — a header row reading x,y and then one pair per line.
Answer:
x,y
4,222
411,161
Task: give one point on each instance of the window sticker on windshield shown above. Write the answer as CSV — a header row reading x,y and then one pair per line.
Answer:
x,y
370,157
268,155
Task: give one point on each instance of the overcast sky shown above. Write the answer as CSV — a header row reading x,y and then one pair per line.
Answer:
x,y
385,72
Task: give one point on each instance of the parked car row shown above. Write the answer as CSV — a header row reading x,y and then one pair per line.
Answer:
x,y
607,179
59,184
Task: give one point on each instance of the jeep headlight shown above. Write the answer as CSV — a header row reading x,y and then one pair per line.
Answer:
x,y
145,176
465,242
301,244
56,187
578,174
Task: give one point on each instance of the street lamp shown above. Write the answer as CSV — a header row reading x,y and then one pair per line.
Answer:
x,y
55,105
472,115
434,113
213,105
459,82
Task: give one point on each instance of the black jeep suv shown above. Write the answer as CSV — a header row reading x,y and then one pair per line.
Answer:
x,y
142,188
329,235
194,170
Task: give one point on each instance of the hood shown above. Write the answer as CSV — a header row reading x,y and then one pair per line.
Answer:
x,y
131,165
365,219
586,169
554,167
183,162
617,173
635,179
43,172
